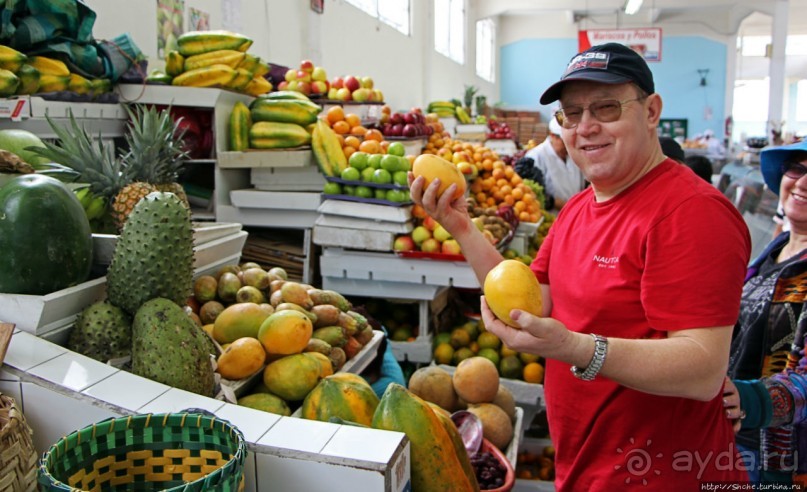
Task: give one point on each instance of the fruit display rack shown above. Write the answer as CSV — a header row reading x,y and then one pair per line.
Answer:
x,y
29,112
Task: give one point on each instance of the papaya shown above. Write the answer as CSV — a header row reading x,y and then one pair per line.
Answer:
x,y
240,122
174,63
334,335
257,85
326,367
334,397
79,84
285,306
249,63
45,236
11,59
242,78
459,446
294,111
329,297
292,377
266,402
158,77
8,83
272,135
241,359
431,166
296,293
231,58
238,321
49,66
327,315
53,83
198,42
286,95
436,466
285,332
29,80
512,285
212,76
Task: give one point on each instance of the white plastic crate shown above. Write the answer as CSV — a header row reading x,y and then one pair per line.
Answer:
x,y
298,157
287,179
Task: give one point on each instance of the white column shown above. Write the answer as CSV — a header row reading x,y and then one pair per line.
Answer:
x,y
777,66
731,78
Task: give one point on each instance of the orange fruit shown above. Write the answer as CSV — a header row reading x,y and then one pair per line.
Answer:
x,y
348,150
353,120
374,135
335,114
352,142
370,146
341,127
534,373
384,146
358,130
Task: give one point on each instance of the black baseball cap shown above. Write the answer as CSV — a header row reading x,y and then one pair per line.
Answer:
x,y
610,63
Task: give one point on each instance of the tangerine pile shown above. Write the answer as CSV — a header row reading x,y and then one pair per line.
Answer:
x,y
352,135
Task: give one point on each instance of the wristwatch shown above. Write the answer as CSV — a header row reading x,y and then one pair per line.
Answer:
x,y
600,350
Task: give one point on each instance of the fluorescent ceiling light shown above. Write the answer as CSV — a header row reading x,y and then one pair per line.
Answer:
x,y
632,6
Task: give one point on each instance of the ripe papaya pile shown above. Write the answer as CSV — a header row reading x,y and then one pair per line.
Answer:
x,y
21,74
278,120
296,334
215,59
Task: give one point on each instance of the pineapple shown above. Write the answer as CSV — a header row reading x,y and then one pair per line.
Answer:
x,y
155,150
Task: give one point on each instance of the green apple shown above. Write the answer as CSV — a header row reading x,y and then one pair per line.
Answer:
x,y
364,192
332,189
400,178
350,174
358,160
396,148
382,176
381,193
367,174
375,160
349,190
390,163
398,196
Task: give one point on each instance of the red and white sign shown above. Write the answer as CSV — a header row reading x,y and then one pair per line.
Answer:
x,y
646,42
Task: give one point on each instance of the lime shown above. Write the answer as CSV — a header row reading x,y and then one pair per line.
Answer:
x,y
443,353
443,337
462,354
488,340
472,328
349,190
380,193
364,192
528,358
460,338
367,174
511,367
359,160
350,174
382,176
396,148
332,189
390,163
375,160
398,196
489,354
399,178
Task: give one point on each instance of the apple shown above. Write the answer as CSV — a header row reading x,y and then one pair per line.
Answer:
x,y
291,75
304,76
293,85
352,83
396,119
479,222
465,168
307,66
385,109
319,74
430,245
319,87
338,83
379,96
429,223
440,233
304,87
420,234
361,95
396,130
409,118
451,247
385,118
409,131
343,94
367,82
283,86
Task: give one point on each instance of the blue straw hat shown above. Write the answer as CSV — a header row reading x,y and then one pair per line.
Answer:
x,y
771,159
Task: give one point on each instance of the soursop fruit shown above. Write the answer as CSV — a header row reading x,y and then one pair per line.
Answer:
x,y
154,254
102,331
168,347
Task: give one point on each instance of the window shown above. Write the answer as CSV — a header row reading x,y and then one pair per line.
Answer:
x,y
394,13
485,49
449,29
758,45
801,101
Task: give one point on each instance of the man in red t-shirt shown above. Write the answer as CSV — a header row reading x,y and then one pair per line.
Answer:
x,y
641,276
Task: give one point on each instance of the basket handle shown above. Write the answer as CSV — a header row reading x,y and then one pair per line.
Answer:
x,y
6,329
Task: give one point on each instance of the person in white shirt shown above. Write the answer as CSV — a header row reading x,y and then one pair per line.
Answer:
x,y
714,147
561,175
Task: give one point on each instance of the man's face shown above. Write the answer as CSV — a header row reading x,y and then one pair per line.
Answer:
x,y
611,155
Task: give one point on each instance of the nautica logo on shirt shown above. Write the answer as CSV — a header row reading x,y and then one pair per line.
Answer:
x,y
606,261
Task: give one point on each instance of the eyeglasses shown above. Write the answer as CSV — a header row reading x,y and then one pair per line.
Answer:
x,y
604,111
793,170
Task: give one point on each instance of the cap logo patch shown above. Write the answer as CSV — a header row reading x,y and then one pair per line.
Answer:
x,y
597,60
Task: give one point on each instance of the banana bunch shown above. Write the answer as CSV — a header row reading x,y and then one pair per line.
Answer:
x,y
94,205
463,116
443,109
327,150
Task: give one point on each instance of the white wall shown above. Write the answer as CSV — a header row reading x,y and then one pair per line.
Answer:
x,y
344,40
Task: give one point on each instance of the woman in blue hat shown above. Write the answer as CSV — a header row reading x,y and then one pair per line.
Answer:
x,y
767,360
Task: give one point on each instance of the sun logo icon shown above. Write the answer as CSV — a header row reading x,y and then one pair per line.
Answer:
x,y
638,462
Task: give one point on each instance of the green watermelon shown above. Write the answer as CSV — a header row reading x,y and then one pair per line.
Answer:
x,y
16,141
45,237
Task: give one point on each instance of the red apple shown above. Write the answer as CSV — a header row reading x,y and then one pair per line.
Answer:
x,y
420,234
403,243
343,94
291,75
367,82
379,96
332,93
304,87
283,86
319,87
304,76
429,223
338,83
352,83
307,66
361,95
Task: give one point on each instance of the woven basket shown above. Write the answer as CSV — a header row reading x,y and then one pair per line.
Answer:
x,y
17,455
169,451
